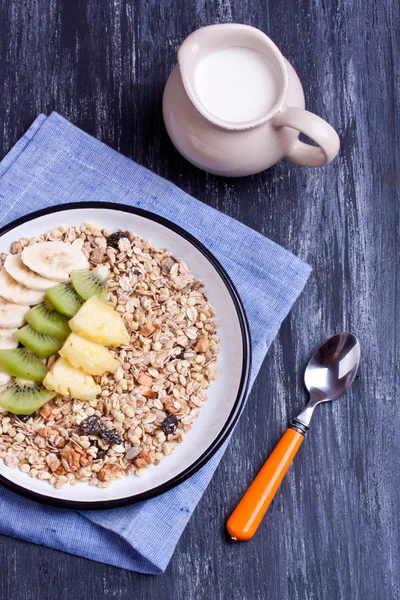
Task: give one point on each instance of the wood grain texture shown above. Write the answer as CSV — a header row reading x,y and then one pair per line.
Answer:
x,y
332,532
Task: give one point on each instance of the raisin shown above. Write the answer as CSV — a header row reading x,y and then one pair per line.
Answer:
x,y
110,436
114,238
169,424
101,452
91,425
181,355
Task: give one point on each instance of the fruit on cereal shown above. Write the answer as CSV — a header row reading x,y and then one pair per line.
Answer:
x,y
100,323
5,379
48,321
23,364
113,239
64,299
2,390
12,315
153,300
67,380
110,436
170,424
55,260
88,283
16,293
7,339
25,397
23,275
40,343
91,425
89,356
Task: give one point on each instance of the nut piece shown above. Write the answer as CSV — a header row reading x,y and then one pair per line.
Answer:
x,y
147,329
53,462
202,344
109,472
71,456
44,431
52,436
55,439
147,393
145,380
97,256
46,413
61,471
85,460
145,458
166,265
175,406
16,247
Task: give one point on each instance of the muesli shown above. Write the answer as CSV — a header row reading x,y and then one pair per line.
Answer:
x,y
118,392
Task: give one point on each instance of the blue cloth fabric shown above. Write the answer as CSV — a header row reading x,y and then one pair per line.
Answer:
x,y
55,162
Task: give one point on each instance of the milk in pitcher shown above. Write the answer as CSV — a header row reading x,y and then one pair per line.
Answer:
x,y
237,84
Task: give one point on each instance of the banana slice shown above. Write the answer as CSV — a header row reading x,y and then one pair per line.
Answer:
x,y
4,381
78,244
20,272
12,315
54,260
19,294
7,340
3,389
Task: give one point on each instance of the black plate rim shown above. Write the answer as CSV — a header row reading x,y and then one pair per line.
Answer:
x,y
244,380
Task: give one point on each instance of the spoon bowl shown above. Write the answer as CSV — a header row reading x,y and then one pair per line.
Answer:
x,y
330,372
333,368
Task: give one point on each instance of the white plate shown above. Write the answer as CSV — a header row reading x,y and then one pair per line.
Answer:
x,y
226,394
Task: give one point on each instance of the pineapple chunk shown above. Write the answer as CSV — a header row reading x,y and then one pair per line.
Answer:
x,y
100,323
89,356
66,380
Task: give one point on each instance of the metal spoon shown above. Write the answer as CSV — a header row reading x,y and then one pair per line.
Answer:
x,y
328,375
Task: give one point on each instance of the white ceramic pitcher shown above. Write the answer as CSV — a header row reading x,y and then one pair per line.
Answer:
x,y
230,148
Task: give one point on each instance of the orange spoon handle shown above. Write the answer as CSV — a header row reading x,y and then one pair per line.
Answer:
x,y
245,519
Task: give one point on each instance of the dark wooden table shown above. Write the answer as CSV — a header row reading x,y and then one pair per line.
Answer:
x,y
332,532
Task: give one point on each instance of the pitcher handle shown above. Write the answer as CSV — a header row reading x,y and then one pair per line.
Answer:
x,y
315,128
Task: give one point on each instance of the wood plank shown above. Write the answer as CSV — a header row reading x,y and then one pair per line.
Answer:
x,y
333,530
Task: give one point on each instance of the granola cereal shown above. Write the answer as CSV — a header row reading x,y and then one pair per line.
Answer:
x,y
150,402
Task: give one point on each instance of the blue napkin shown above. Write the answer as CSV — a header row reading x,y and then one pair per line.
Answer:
x,y
55,162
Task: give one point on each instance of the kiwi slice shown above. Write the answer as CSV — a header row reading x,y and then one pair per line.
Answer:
x,y
89,283
48,321
44,345
25,397
64,299
22,363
